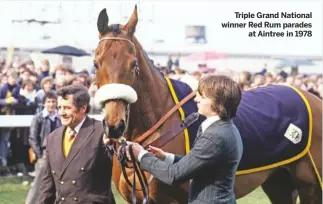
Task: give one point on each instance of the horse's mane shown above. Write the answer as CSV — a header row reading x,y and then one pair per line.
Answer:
x,y
152,65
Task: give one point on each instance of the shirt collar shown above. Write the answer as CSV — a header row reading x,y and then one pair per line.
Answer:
x,y
46,113
208,121
78,127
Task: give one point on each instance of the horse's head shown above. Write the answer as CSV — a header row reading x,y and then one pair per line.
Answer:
x,y
116,71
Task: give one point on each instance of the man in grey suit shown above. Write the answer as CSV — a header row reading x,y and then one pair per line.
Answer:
x,y
214,158
41,126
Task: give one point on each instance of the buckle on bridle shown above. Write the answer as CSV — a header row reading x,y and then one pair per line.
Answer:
x,y
122,153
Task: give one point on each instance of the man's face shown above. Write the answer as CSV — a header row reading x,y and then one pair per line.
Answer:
x,y
12,81
44,67
59,73
25,76
298,82
29,87
204,105
269,79
4,80
48,86
243,78
259,81
50,104
69,113
69,76
30,67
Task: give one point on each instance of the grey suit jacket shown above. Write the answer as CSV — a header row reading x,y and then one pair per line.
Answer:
x,y
211,164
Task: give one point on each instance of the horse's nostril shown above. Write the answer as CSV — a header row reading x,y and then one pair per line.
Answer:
x,y
117,131
121,125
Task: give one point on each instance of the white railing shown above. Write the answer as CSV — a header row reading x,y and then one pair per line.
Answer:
x,y
13,121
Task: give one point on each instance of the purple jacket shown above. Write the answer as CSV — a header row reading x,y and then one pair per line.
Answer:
x,y
3,93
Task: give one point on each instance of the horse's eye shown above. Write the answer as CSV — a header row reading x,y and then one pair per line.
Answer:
x,y
133,64
95,65
131,50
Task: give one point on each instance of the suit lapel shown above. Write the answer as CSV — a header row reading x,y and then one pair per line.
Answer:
x,y
216,123
80,139
198,134
58,150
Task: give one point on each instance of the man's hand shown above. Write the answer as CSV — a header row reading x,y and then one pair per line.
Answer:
x,y
14,100
157,152
108,141
136,148
11,100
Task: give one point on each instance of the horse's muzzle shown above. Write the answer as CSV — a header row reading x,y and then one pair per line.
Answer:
x,y
114,132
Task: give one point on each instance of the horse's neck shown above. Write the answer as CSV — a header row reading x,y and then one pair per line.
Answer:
x,y
153,97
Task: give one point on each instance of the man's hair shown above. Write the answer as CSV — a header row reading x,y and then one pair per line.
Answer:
x,y
26,82
80,95
45,80
49,95
13,75
224,92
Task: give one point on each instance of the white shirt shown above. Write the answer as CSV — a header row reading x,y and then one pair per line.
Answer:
x,y
169,159
208,121
52,117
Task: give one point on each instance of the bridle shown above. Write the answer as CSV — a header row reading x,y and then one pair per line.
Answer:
x,y
118,38
136,70
121,154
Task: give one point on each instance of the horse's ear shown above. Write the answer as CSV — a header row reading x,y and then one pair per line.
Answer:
x,y
132,23
103,21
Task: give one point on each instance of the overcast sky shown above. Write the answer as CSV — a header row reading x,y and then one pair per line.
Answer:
x,y
164,20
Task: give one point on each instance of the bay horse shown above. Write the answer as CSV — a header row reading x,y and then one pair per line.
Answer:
x,y
134,96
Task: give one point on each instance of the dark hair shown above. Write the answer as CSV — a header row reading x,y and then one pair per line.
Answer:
x,y
26,82
45,80
224,92
49,95
80,95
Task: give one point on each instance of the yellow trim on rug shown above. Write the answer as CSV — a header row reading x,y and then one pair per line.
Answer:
x,y
181,112
315,169
287,161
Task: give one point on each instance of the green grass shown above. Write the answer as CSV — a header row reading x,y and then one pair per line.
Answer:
x,y
255,197
13,192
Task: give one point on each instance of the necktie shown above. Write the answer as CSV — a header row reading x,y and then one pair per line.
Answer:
x,y
71,135
68,141
199,131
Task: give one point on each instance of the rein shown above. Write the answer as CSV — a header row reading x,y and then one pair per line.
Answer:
x,y
144,136
163,139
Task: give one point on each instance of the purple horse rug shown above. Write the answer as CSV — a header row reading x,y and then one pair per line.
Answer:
x,y
273,121
179,90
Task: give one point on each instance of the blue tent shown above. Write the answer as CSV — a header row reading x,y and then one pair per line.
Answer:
x,y
66,50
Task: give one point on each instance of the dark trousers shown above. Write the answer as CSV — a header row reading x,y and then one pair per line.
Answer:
x,y
4,145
